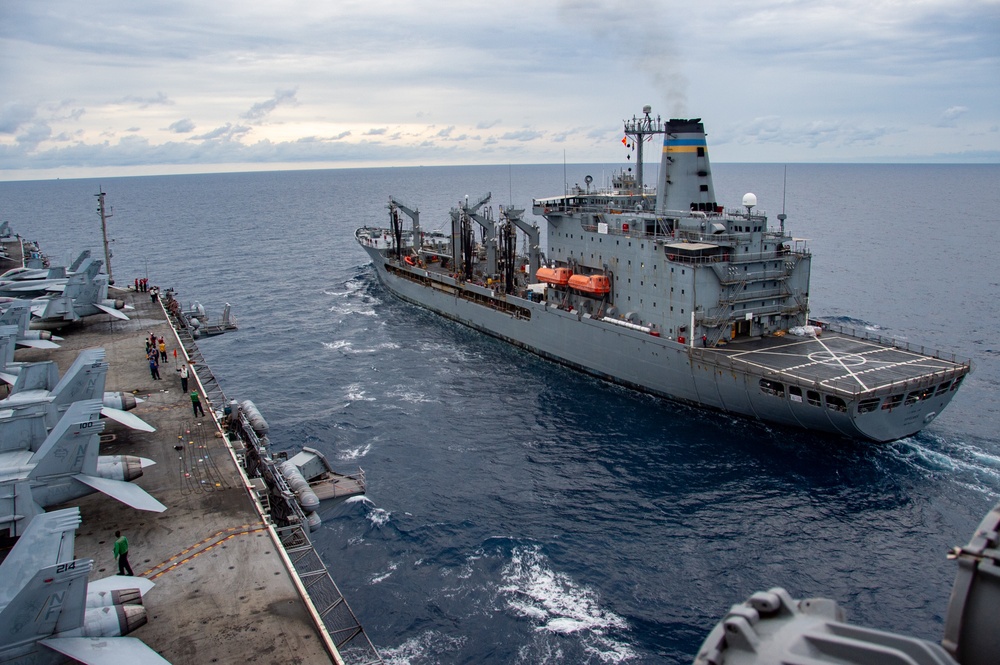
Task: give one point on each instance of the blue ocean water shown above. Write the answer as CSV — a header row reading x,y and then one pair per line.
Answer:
x,y
519,512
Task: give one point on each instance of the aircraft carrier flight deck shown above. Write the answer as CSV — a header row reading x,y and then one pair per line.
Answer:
x,y
226,591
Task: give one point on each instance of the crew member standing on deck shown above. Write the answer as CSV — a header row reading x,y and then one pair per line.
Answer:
x,y
196,403
163,350
184,377
121,553
154,368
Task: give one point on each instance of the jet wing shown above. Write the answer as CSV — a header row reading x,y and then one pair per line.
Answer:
x,y
105,650
126,492
111,310
119,582
37,343
127,419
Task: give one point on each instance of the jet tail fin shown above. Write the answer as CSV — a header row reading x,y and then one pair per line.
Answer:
x,y
84,379
36,376
53,600
19,509
72,446
84,255
84,288
49,539
17,314
56,308
25,433
8,340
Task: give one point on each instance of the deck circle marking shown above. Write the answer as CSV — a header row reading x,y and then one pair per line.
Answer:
x,y
834,358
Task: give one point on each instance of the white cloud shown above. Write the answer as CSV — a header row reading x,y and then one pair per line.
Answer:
x,y
951,115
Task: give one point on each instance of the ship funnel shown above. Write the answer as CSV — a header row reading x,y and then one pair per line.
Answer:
x,y
685,173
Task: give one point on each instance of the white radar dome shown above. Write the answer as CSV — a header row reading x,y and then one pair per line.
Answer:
x,y
749,200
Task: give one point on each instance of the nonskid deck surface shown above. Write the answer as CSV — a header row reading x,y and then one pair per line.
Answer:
x,y
835,361
223,593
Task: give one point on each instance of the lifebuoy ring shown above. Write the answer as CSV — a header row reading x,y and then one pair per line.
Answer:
x,y
409,261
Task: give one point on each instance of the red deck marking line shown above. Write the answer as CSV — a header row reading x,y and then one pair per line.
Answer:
x,y
242,529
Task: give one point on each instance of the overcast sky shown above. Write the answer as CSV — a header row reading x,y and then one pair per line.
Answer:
x,y
132,87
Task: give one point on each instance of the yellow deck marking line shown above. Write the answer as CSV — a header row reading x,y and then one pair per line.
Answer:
x,y
172,562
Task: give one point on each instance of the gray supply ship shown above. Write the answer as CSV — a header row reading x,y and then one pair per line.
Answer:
x,y
667,292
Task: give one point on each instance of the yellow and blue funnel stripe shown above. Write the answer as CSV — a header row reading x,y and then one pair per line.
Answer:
x,y
674,145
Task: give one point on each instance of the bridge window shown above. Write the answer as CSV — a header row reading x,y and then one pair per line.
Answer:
x,y
912,398
834,403
943,388
957,383
813,398
795,394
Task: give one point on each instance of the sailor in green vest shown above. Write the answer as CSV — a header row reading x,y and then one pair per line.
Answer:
x,y
196,403
121,553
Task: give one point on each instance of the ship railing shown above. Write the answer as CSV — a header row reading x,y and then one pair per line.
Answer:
x,y
893,342
731,275
725,317
343,626
340,622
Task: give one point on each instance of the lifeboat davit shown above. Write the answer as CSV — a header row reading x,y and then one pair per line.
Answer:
x,y
554,276
599,284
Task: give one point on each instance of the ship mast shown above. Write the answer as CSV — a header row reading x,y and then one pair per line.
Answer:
x,y
638,129
105,214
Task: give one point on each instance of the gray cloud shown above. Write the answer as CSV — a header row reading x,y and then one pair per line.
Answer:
x,y
522,135
145,102
184,126
13,115
228,132
261,110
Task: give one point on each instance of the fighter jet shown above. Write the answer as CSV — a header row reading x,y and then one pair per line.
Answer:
x,y
65,467
15,275
35,388
32,283
49,612
18,314
82,296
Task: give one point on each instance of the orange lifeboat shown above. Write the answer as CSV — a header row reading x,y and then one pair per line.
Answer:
x,y
599,284
554,276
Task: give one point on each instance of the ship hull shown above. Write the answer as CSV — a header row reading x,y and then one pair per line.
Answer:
x,y
636,359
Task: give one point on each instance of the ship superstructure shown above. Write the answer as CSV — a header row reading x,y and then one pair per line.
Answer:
x,y
666,291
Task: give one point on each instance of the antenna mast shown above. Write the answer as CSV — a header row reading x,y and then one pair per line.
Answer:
x,y
638,129
105,214
782,217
